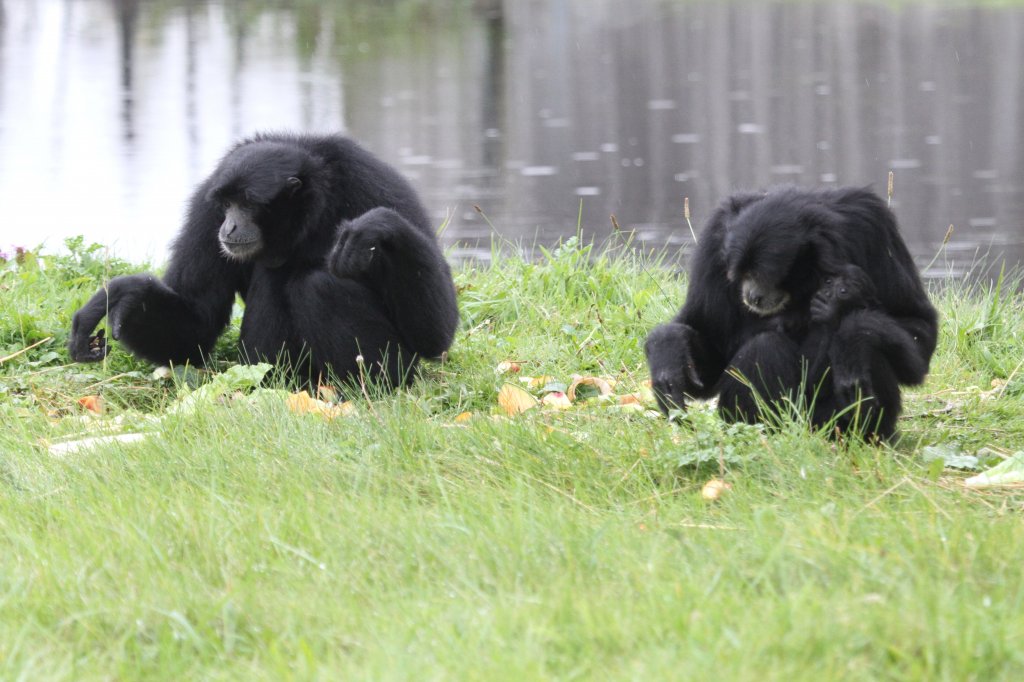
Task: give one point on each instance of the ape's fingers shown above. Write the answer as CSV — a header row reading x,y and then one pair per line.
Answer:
x,y
98,346
88,348
82,344
819,309
853,389
669,395
351,258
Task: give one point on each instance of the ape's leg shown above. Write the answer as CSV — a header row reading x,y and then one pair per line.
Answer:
x,y
407,271
329,329
765,370
871,354
870,414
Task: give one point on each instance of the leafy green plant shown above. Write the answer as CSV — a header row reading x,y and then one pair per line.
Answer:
x,y
705,440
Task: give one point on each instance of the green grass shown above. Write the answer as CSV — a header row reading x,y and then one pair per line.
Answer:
x,y
248,542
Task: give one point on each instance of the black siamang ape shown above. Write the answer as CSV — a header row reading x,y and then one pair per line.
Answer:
x,y
329,248
805,294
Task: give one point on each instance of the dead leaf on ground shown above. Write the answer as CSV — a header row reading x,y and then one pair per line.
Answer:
x,y
327,393
537,382
514,400
714,489
93,403
304,403
463,417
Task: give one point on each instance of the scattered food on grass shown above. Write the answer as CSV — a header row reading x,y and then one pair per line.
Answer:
x,y
556,400
714,489
1008,473
553,394
535,383
509,366
327,393
92,403
303,403
588,387
514,400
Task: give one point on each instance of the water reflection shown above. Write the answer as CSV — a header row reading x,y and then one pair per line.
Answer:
x,y
541,113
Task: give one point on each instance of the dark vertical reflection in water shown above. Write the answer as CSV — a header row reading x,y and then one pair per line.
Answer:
x,y
62,82
191,75
3,55
127,12
239,32
493,85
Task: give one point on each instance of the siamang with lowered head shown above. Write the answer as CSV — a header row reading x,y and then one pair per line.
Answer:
x,y
806,295
329,248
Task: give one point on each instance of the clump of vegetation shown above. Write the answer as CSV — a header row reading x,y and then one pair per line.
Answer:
x,y
253,532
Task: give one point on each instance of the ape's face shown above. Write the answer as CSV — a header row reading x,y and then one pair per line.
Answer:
x,y
246,233
240,236
259,189
770,258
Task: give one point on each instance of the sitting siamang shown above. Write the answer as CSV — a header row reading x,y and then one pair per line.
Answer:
x,y
809,295
329,248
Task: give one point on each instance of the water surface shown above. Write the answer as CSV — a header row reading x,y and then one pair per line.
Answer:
x,y
545,114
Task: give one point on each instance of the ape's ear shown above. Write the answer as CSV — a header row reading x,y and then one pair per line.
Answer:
x,y
217,194
740,200
293,185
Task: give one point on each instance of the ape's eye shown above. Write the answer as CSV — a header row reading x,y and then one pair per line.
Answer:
x,y
842,290
828,281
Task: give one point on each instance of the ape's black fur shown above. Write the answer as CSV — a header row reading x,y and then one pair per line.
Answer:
x,y
328,246
808,294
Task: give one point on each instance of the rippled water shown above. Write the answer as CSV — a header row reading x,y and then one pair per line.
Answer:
x,y
543,114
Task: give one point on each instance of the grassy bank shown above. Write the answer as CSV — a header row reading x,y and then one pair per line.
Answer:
x,y
427,535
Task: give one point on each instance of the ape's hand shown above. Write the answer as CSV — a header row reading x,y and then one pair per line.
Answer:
x,y
673,373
